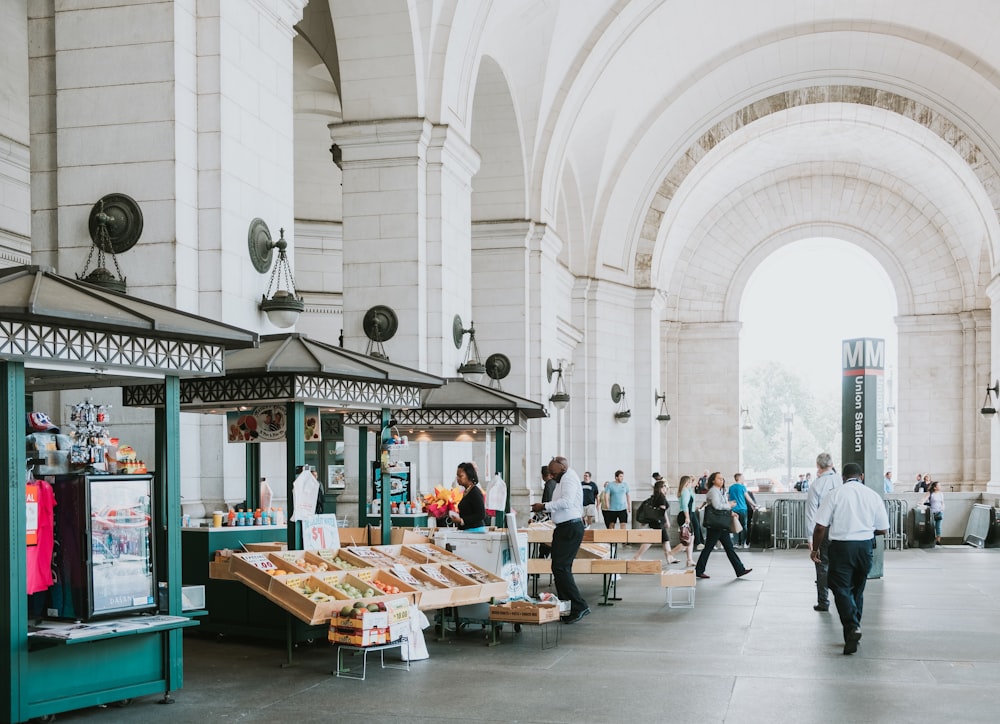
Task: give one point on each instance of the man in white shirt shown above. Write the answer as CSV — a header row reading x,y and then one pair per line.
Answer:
x,y
826,480
566,510
850,516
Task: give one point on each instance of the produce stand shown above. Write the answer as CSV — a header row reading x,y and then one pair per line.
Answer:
x,y
294,371
60,334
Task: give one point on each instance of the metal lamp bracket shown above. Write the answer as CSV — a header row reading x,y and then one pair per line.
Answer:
x,y
261,246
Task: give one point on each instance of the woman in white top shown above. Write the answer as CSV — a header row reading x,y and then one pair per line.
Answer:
x,y
719,532
935,499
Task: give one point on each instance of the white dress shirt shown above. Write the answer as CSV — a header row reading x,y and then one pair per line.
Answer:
x,y
567,498
853,511
822,485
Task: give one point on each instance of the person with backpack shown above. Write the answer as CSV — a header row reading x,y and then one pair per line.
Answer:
x,y
654,512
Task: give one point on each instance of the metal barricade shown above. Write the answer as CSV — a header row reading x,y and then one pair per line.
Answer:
x,y
895,539
789,522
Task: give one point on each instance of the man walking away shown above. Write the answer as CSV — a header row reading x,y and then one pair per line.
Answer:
x,y
850,516
826,480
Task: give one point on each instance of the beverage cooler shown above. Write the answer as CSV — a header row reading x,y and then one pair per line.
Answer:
x,y
105,559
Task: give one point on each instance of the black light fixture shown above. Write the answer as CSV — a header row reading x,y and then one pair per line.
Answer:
x,y
115,225
380,324
497,367
559,398
282,306
664,416
473,364
745,423
618,396
988,409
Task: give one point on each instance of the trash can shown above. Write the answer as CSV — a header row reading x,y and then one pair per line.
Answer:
x,y
923,528
760,528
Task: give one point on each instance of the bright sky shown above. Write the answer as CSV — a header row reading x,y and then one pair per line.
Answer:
x,y
808,297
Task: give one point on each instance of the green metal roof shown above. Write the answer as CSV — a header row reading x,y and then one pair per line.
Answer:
x,y
37,295
460,394
295,353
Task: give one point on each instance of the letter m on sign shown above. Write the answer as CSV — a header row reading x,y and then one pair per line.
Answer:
x,y
864,353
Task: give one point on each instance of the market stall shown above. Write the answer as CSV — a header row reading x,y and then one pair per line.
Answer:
x,y
275,384
60,334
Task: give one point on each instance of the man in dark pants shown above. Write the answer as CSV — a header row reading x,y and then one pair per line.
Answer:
x,y
566,509
826,480
850,516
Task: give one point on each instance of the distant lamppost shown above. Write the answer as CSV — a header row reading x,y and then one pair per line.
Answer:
x,y
789,419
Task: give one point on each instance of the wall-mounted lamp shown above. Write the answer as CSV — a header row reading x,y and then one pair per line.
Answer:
x,y
473,364
282,306
380,324
745,423
559,398
988,408
618,395
664,416
497,367
115,226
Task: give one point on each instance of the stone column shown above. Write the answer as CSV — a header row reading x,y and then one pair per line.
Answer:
x,y
707,416
15,202
934,403
990,374
407,200
649,304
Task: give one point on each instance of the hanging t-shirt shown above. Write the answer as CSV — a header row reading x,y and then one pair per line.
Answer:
x,y
40,554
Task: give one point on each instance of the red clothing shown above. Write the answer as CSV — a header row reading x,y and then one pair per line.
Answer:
x,y
40,554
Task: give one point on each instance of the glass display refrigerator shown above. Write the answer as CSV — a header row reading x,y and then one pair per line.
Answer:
x,y
105,559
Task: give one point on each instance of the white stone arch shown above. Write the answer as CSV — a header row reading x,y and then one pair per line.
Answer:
x,y
655,224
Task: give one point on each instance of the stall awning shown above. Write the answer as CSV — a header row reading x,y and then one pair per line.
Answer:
x,y
461,404
60,327
293,367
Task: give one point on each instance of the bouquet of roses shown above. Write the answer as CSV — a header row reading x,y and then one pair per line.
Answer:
x,y
442,501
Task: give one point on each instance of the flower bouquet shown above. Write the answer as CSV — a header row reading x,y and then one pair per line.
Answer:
x,y
442,501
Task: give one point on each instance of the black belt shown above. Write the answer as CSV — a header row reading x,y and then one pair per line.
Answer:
x,y
570,522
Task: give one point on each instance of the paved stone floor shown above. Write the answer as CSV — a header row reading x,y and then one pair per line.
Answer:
x,y
751,650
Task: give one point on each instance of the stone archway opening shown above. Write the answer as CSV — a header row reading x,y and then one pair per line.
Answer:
x,y
797,306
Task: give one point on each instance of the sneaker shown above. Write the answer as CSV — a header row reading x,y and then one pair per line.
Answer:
x,y
851,640
745,571
821,607
617,577
700,547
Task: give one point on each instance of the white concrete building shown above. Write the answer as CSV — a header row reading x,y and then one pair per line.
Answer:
x,y
590,181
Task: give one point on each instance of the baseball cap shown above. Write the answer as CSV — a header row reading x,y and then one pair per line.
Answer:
x,y
40,422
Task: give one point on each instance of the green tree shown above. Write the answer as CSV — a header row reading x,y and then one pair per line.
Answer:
x,y
768,390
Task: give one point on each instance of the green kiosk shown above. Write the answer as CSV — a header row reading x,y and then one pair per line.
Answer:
x,y
60,334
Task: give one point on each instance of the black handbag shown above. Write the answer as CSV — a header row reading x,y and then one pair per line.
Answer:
x,y
715,518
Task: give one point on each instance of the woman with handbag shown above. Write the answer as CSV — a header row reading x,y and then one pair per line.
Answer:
x,y
718,520
658,502
685,520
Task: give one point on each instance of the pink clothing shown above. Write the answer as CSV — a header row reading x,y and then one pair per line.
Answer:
x,y
40,554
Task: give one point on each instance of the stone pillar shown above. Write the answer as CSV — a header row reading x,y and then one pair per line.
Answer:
x,y
15,201
407,200
649,431
991,373
707,417
934,405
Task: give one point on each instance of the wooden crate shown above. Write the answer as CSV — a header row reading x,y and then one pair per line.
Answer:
x,y
609,565
644,535
672,579
644,567
525,612
603,535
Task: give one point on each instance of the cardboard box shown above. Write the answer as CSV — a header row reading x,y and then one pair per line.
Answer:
x,y
616,535
305,597
267,547
192,597
594,550
525,612
254,569
354,536
673,579
644,567
644,535
427,553
362,618
358,637
610,565
399,630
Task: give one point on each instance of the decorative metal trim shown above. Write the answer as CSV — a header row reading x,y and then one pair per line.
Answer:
x,y
23,341
228,391
444,417
122,219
